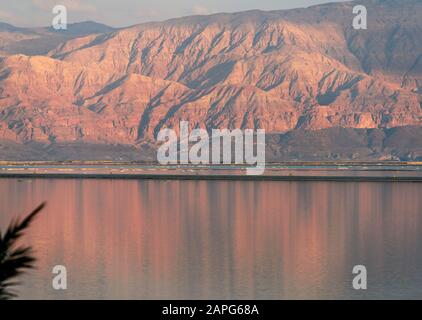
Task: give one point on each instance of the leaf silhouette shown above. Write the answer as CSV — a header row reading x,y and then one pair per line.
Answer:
x,y
15,260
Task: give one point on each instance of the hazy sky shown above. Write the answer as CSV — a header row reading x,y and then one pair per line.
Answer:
x,y
127,12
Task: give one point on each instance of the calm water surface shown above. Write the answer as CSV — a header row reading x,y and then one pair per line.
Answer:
x,y
128,239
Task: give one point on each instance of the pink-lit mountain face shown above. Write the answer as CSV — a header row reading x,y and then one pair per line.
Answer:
x,y
301,74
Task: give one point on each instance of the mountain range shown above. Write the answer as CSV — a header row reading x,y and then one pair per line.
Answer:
x,y
321,89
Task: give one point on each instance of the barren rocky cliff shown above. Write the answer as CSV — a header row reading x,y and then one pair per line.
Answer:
x,y
300,73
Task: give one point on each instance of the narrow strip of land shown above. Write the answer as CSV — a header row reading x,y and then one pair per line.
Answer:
x,y
334,171
314,176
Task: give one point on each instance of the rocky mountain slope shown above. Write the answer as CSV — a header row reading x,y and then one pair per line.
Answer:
x,y
301,70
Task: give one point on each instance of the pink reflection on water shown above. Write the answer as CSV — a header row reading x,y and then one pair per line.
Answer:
x,y
219,239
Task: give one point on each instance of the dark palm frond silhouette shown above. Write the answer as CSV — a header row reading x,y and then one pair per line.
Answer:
x,y
14,260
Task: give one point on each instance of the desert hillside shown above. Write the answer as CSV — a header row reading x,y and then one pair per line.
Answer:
x,y
294,73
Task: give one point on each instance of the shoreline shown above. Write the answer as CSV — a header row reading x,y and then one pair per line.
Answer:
x,y
309,171
154,163
209,177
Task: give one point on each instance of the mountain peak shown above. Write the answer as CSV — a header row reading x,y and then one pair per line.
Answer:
x,y
84,28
